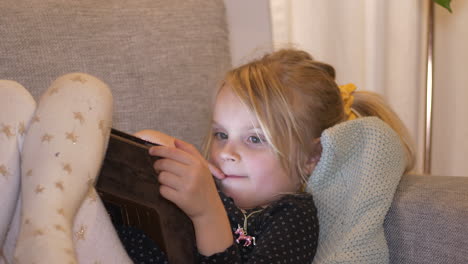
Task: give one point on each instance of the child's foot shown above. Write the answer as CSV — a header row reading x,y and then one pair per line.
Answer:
x,y
62,154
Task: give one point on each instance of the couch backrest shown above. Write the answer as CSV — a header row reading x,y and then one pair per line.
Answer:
x,y
162,59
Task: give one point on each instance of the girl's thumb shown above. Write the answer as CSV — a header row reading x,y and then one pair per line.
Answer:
x,y
217,173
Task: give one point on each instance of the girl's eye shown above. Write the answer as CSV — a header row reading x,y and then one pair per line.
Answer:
x,y
255,140
220,135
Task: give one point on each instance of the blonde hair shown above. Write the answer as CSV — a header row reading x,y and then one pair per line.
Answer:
x,y
295,98
372,104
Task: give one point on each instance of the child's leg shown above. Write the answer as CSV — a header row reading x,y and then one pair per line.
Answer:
x,y
62,153
12,235
16,109
96,240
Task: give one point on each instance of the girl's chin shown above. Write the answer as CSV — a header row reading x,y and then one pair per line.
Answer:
x,y
232,187
241,200
230,192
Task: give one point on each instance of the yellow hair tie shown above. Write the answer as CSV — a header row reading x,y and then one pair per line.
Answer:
x,y
348,99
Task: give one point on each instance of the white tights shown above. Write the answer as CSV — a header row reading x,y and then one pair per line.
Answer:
x,y
49,159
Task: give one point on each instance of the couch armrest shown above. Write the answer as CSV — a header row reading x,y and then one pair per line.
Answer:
x,y
427,220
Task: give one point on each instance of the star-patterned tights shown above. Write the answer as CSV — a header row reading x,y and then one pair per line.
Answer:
x,y
55,151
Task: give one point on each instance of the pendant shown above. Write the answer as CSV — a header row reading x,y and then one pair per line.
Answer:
x,y
244,237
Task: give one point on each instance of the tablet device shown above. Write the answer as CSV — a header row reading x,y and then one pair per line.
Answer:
x,y
129,188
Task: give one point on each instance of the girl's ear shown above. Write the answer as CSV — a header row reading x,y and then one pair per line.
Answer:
x,y
315,155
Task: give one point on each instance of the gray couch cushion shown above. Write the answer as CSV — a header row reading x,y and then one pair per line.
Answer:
x,y
161,59
427,222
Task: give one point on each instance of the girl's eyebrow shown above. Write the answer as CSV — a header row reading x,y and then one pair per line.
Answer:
x,y
248,127
256,129
213,122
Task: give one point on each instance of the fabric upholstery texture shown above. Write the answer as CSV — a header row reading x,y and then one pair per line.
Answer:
x,y
161,59
353,186
427,222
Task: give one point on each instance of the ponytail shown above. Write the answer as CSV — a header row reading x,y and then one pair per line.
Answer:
x,y
371,104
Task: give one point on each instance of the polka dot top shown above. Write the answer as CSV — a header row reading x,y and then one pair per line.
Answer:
x,y
140,248
285,232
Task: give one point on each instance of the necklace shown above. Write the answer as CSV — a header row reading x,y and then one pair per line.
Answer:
x,y
242,231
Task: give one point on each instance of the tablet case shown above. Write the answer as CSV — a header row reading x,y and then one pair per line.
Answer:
x,y
128,186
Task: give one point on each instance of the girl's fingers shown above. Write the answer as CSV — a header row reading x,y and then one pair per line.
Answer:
x,y
157,137
189,148
217,173
170,180
171,166
169,193
171,153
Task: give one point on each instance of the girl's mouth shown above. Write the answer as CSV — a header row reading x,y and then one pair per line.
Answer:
x,y
234,176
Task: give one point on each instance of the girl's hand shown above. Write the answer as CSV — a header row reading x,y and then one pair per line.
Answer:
x,y
156,137
216,171
186,178
163,139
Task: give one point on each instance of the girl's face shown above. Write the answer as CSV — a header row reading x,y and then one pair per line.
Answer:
x,y
254,175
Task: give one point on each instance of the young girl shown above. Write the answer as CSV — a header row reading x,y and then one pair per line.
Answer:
x,y
264,143
265,139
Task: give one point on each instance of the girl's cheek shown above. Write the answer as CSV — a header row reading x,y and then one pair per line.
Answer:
x,y
213,156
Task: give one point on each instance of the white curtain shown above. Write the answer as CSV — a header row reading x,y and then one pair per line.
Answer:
x,y
380,45
450,144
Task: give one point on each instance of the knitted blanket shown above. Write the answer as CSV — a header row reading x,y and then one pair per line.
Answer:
x,y
353,186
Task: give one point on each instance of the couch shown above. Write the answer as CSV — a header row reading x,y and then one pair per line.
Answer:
x,y
163,60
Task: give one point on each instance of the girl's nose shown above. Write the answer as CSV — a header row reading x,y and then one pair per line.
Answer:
x,y
228,153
